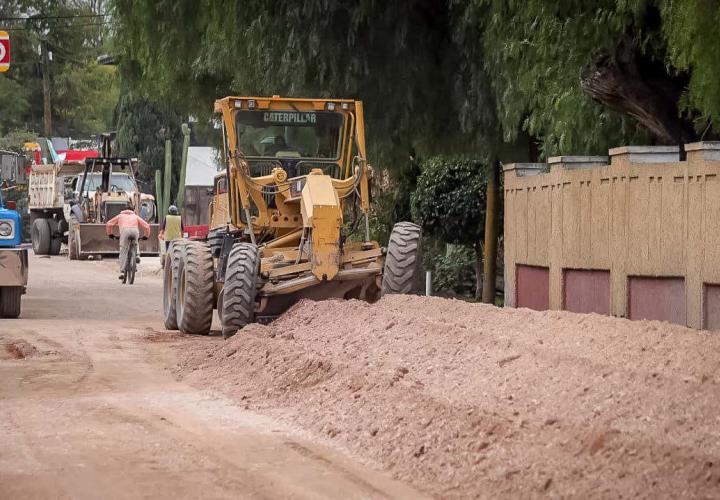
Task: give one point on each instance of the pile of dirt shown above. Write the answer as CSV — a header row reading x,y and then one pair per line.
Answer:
x,y
471,400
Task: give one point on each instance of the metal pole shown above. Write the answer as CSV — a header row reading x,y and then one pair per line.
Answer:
x,y
428,283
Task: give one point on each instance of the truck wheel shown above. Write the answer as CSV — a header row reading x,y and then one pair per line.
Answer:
x,y
238,295
55,237
194,289
10,298
172,261
402,273
41,237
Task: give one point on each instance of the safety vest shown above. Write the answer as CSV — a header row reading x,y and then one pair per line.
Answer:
x,y
173,228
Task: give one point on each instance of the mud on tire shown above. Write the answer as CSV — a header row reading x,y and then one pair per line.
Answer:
x,y
194,289
238,300
172,262
403,262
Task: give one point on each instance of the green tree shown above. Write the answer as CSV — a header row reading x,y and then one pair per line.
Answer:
x,y
81,94
449,203
142,126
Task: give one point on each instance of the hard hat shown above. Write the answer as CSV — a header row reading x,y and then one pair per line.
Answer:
x,y
173,210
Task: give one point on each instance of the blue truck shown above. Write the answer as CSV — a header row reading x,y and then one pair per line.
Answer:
x,y
13,261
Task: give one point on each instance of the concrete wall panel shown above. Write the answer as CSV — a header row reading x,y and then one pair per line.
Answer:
x,y
644,214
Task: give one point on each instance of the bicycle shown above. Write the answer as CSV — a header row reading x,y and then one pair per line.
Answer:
x,y
131,260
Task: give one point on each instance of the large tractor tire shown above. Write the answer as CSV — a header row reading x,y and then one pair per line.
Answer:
x,y
238,296
194,289
403,262
170,271
40,235
10,299
55,237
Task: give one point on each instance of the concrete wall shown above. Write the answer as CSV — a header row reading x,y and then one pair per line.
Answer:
x,y
638,213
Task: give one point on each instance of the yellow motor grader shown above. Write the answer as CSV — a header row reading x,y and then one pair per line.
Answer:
x,y
284,219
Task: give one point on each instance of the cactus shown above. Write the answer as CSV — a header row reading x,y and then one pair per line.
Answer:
x,y
180,198
167,180
159,193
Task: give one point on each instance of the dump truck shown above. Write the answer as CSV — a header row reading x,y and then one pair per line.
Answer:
x,y
102,186
13,261
289,219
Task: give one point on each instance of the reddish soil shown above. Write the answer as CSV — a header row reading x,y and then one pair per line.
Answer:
x,y
470,400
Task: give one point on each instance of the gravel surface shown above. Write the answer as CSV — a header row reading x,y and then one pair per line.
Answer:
x,y
464,399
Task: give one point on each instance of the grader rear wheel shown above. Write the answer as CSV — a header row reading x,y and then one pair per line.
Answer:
x,y
403,262
194,289
238,296
170,272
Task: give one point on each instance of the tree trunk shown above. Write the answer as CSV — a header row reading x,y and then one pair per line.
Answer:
x,y
626,81
47,103
478,270
491,235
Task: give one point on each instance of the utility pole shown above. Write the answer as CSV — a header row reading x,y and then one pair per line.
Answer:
x,y
47,98
491,234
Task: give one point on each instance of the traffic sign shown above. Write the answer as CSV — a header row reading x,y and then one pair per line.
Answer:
x,y
4,51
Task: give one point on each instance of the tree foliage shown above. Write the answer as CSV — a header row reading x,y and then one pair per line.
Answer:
x,y
651,65
83,93
142,127
449,201
398,57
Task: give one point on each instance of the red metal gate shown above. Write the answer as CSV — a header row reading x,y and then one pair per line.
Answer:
x,y
532,287
711,307
586,291
662,299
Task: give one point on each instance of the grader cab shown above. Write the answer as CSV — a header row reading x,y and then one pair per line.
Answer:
x,y
289,219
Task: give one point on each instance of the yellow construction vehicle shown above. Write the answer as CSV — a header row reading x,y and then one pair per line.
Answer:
x,y
281,221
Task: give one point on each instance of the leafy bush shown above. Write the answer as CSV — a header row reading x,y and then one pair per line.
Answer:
x,y
449,203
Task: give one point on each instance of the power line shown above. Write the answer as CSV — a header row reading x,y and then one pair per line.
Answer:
x,y
40,18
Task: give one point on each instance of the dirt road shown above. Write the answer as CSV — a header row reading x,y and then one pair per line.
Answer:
x,y
88,408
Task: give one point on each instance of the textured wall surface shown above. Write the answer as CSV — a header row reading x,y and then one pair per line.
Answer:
x,y
638,213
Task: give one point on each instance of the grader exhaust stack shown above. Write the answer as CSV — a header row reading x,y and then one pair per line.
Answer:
x,y
288,219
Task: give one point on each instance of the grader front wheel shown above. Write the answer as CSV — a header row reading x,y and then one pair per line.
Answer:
x,y
194,289
170,272
238,296
403,262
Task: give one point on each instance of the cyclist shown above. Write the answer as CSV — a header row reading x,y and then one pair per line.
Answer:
x,y
172,227
129,224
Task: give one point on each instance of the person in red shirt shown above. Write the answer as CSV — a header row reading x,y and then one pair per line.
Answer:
x,y
129,224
